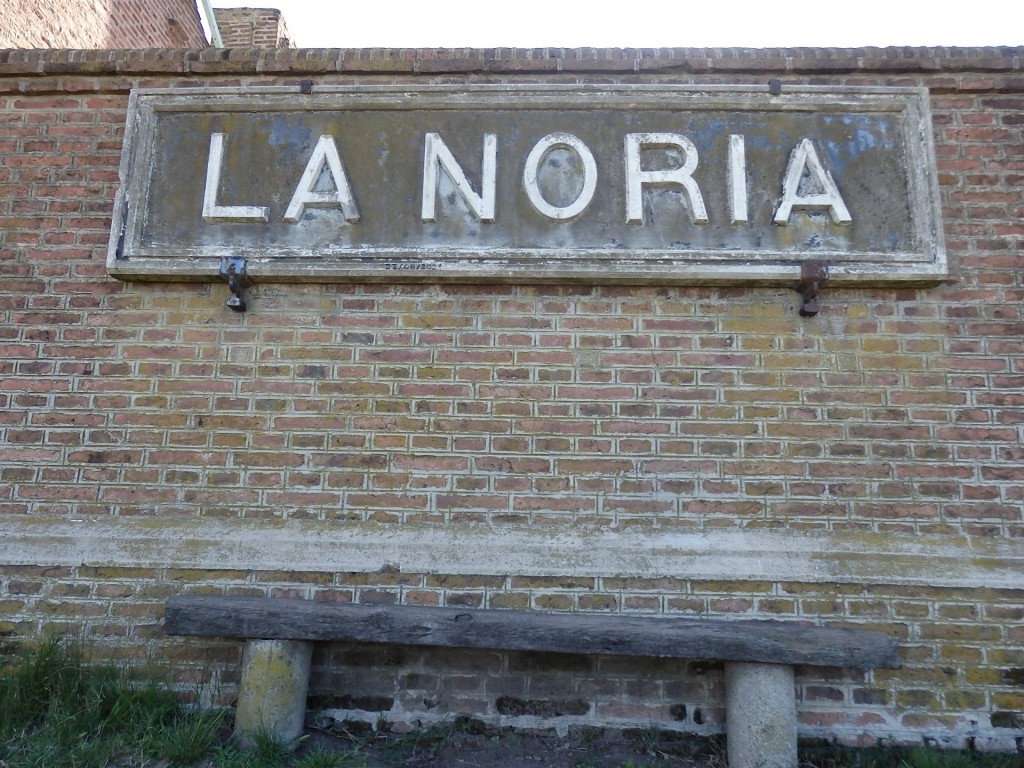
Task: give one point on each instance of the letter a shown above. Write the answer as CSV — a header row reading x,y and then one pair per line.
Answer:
x,y
804,158
324,154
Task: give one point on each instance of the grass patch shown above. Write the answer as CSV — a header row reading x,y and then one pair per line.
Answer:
x,y
321,757
896,757
56,711
267,752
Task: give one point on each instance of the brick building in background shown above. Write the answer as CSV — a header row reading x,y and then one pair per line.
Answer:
x,y
253,28
101,24
135,24
665,450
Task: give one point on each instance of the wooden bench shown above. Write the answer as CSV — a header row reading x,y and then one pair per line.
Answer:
x,y
759,656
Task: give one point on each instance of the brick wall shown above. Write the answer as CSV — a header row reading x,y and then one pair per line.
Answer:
x,y
253,28
657,450
100,24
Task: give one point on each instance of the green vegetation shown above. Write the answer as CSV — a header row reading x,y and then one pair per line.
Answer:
x,y
57,711
893,757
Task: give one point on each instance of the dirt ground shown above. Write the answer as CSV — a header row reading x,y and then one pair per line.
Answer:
x,y
464,743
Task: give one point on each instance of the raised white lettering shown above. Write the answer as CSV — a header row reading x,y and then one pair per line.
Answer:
x,y
436,155
324,154
805,158
532,168
217,214
807,185
636,177
737,179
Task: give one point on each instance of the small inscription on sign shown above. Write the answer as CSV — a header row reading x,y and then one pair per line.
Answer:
x,y
623,183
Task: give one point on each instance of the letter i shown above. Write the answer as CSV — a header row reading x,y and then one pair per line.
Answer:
x,y
737,179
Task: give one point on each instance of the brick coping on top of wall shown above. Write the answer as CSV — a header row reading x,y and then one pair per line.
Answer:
x,y
463,61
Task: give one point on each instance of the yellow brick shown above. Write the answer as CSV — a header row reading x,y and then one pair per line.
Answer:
x,y
982,676
868,608
465,582
965,699
510,600
553,582
777,606
554,602
880,344
859,311
892,363
197,574
742,587
958,612
916,699
962,653
976,632
665,584
1008,701
777,310
910,610
296,577
795,588
745,326
909,675
111,572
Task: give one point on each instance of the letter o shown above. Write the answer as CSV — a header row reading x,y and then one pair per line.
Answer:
x,y
541,148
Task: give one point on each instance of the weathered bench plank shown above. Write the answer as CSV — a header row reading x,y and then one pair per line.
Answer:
x,y
771,642
759,656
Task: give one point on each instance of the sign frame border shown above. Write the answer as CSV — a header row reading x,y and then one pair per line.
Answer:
x,y
927,264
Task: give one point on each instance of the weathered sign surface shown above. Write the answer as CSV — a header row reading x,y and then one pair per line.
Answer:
x,y
622,183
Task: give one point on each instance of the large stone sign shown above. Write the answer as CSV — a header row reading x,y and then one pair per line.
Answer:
x,y
621,183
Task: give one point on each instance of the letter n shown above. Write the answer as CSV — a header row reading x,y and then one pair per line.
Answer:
x,y
436,155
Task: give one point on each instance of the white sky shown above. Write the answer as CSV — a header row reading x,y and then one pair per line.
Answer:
x,y
646,23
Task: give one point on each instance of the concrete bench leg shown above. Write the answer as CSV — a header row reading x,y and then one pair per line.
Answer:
x,y
272,694
760,714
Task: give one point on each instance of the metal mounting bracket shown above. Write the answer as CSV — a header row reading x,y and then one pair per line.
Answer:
x,y
233,269
813,274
